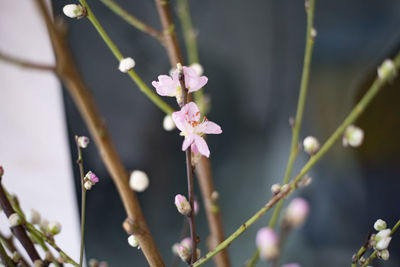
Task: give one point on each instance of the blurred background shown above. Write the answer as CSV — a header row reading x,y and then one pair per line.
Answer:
x,y
252,53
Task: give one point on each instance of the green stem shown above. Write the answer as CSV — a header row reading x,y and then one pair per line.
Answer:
x,y
132,74
192,51
354,114
300,106
373,255
51,242
299,117
5,258
132,20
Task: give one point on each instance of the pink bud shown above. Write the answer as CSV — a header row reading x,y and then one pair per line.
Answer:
x,y
184,253
297,212
182,205
268,243
187,243
1,171
196,207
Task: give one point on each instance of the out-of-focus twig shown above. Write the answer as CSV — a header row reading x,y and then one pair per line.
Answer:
x,y
69,75
26,64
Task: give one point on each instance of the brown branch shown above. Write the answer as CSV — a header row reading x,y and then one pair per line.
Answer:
x,y
71,78
203,167
18,231
26,64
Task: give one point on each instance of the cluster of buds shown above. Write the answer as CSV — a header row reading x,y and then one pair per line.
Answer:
x,y
381,240
51,228
90,180
184,250
268,243
353,136
139,181
296,212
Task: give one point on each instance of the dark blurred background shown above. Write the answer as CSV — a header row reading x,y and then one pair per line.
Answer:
x,y
252,52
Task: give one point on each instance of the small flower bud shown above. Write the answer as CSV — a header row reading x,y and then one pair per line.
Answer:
x,y
187,243
83,141
197,68
126,64
175,248
93,263
184,253
73,11
44,224
383,239
214,196
305,181
291,265
14,220
311,145
88,185
182,205
313,33
49,257
267,242
1,171
168,123
139,181
54,228
35,217
387,69
198,253
275,189
38,263
384,254
90,176
353,136
296,212
196,207
133,241
16,257
380,225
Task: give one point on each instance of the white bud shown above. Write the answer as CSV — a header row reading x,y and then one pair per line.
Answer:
x,y
73,11
38,263
182,205
384,254
198,253
83,141
88,185
353,136
380,225
35,217
54,228
184,253
268,243
44,224
14,220
139,181
197,68
311,145
175,248
126,64
382,239
187,243
275,188
313,33
168,123
133,241
387,69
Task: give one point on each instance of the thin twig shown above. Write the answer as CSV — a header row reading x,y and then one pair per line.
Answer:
x,y
203,167
69,75
26,64
5,259
354,114
132,20
79,161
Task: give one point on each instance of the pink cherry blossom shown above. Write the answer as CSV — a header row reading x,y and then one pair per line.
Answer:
x,y
170,85
187,120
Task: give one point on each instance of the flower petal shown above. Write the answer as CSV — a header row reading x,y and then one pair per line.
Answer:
x,y
208,127
202,146
187,142
192,81
165,86
179,119
192,111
